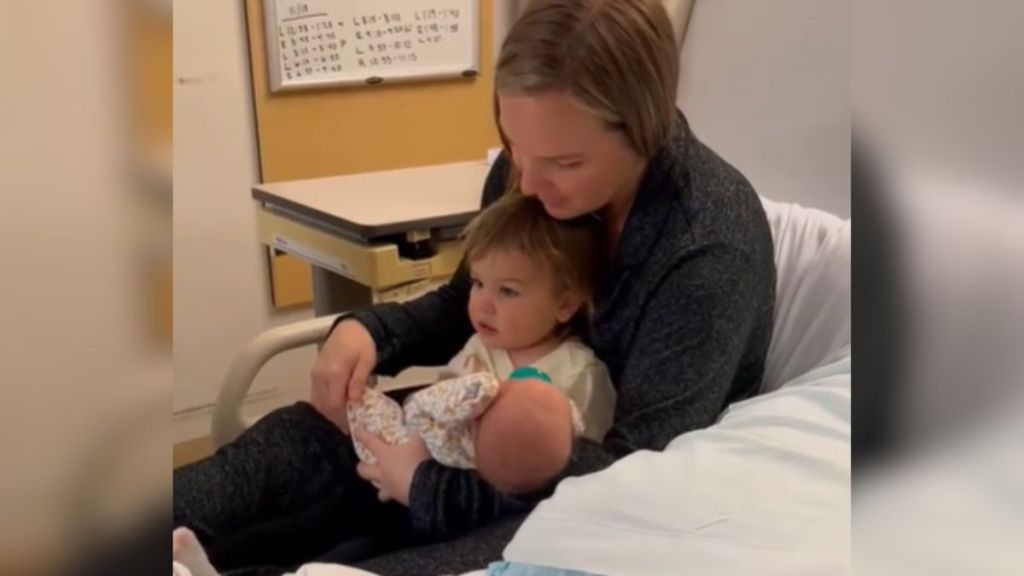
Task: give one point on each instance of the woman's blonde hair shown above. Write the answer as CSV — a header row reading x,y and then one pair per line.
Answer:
x,y
617,58
570,249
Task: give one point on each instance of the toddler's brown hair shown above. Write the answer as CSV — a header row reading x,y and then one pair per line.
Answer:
x,y
571,249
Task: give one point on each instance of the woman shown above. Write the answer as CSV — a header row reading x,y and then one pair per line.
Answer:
x,y
585,102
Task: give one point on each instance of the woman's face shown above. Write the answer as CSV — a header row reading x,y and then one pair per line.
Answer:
x,y
566,156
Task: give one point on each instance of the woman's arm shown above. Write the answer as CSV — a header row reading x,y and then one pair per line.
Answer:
x,y
426,331
431,329
445,501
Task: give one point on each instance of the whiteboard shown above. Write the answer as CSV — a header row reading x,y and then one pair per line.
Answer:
x,y
319,43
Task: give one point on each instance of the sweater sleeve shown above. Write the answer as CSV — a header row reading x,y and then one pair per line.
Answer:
x,y
428,330
680,368
447,502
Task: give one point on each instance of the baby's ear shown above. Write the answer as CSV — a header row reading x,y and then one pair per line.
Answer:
x,y
570,305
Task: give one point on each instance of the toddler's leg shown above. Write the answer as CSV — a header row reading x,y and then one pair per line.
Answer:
x,y
282,493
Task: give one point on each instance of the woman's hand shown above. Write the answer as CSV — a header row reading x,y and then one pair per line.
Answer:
x,y
340,372
396,465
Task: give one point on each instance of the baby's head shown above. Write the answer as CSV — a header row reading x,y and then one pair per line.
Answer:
x,y
533,275
524,438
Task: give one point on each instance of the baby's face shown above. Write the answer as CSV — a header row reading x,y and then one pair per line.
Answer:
x,y
515,302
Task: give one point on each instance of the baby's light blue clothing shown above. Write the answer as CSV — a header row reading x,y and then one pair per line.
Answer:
x,y
518,569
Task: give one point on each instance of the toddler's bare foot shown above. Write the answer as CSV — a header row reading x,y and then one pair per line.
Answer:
x,y
189,557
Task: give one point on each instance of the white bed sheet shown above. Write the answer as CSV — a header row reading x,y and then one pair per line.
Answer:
x,y
766,491
318,569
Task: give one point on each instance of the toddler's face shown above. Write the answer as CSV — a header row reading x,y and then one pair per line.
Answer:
x,y
515,302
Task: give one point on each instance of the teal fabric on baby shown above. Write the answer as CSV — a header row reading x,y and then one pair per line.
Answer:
x,y
519,569
528,373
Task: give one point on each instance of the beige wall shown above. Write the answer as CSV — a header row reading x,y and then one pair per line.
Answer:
x,y
767,85
70,336
221,292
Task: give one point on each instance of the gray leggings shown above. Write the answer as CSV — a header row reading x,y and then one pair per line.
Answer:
x,y
286,493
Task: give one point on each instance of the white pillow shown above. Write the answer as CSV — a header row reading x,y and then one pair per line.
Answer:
x,y
812,300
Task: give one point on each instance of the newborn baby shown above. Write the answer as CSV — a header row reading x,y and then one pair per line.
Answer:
x,y
518,434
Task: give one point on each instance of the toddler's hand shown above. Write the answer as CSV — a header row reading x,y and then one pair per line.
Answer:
x,y
396,465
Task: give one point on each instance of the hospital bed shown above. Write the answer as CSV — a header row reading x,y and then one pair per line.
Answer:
x,y
764,491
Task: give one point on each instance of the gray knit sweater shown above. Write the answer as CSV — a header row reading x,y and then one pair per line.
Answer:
x,y
683,320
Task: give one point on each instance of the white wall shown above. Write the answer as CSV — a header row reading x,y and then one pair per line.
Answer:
x,y
766,84
221,286
939,89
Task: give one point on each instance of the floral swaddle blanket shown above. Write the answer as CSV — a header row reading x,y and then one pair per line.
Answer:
x,y
440,414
